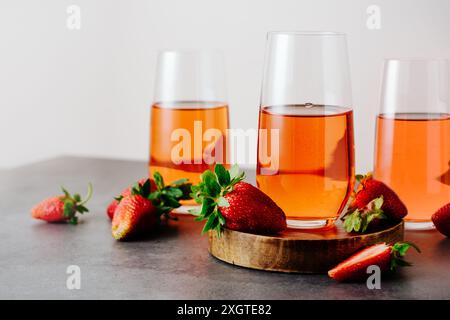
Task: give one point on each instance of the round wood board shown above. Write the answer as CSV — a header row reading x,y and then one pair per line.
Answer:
x,y
300,251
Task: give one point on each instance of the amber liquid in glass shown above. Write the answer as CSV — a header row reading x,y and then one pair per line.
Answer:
x,y
413,157
315,174
181,146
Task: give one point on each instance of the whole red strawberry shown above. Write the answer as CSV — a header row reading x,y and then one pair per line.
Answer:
x,y
228,202
140,210
134,214
112,208
370,189
115,202
61,208
251,210
441,220
386,257
372,202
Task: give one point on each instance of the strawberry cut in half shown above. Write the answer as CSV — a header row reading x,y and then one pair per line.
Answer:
x,y
386,257
228,202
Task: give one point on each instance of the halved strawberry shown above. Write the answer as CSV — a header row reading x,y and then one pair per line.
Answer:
x,y
441,219
373,202
229,202
62,208
386,257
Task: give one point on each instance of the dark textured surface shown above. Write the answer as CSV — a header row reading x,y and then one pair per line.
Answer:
x,y
174,264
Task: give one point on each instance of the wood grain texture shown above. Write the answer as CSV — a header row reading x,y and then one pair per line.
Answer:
x,y
299,251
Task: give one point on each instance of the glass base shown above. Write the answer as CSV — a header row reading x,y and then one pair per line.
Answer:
x,y
310,224
419,225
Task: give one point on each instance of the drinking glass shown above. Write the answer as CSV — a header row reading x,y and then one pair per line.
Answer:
x,y
189,115
412,149
305,141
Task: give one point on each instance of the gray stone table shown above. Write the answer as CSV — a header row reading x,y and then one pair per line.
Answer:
x,y
173,264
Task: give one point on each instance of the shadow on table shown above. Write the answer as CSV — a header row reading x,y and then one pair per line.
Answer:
x,y
443,246
163,232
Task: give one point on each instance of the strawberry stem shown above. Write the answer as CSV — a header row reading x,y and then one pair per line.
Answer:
x,y
88,195
360,219
74,204
166,197
398,251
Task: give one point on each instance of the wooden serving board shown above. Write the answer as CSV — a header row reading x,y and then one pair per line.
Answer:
x,y
294,250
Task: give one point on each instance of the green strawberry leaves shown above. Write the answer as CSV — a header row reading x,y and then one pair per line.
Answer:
x,y
360,178
222,202
159,181
235,173
211,192
68,208
166,197
223,176
402,248
74,204
211,183
398,252
359,220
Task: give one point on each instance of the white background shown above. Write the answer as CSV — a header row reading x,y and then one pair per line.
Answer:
x,y
88,92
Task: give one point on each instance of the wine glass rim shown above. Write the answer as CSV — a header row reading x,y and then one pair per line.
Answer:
x,y
307,33
190,51
415,59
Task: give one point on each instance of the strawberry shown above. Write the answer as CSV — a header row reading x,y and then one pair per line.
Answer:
x,y
441,220
386,257
373,202
115,202
112,208
134,214
370,189
140,211
229,202
61,208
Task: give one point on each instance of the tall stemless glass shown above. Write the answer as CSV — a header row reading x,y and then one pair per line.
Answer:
x,y
189,115
305,142
412,149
